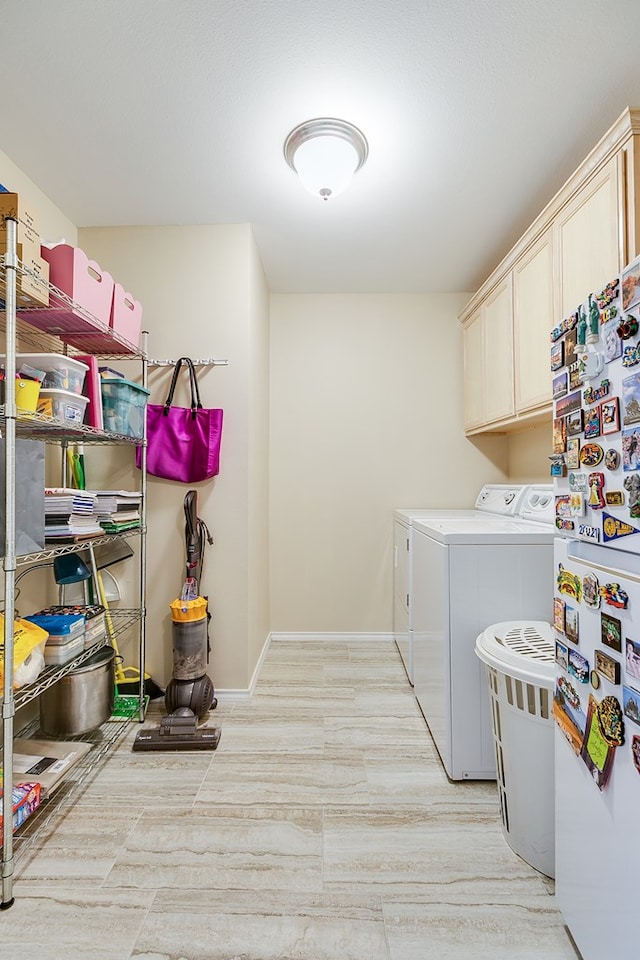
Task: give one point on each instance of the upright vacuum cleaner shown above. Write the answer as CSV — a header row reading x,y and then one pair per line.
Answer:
x,y
190,694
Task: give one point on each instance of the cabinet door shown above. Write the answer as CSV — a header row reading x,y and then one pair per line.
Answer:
x,y
497,317
472,339
590,236
533,318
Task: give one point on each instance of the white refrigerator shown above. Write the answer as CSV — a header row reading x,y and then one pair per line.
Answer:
x,y
595,362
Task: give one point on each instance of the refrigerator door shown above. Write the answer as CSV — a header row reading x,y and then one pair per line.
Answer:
x,y
596,841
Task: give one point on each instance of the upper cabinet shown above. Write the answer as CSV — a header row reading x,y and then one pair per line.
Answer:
x,y
582,238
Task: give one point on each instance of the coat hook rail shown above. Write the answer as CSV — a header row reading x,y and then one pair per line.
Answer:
x,y
207,362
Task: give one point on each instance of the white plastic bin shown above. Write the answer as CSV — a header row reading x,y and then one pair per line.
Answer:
x,y
519,658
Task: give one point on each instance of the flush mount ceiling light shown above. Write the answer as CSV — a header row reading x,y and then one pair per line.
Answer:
x,y
325,153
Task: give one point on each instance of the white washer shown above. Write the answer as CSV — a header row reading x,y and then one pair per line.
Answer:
x,y
504,499
467,574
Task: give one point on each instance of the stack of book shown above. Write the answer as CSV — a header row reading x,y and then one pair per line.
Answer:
x,y
118,510
70,514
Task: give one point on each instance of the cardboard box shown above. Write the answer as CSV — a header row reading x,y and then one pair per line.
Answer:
x,y
26,799
12,206
32,284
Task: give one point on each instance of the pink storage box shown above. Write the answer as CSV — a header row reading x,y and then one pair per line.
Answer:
x,y
83,280
126,315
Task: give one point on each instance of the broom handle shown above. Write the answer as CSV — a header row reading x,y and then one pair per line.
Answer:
x,y
97,576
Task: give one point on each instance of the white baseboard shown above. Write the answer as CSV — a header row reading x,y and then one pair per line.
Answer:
x,y
246,693
334,637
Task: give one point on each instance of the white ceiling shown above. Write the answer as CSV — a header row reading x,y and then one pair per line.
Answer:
x,y
175,112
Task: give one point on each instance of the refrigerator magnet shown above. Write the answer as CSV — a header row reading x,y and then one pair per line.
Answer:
x,y
595,679
575,379
591,590
611,632
571,624
631,356
576,502
627,327
569,584
591,454
570,344
560,384
572,458
611,462
631,702
568,713
614,498
569,323
614,596
578,666
630,449
596,494
559,435
611,722
562,655
593,334
574,423
632,660
594,394
578,482
557,355
610,416
596,752
632,486
611,342
588,532
566,405
606,666
630,286
608,313
609,293
635,751
614,528
592,423
558,614
631,399
563,505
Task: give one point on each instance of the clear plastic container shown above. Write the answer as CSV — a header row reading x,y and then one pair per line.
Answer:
x,y
60,372
123,406
63,405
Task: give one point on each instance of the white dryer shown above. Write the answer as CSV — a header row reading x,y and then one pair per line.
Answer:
x,y
470,572
503,499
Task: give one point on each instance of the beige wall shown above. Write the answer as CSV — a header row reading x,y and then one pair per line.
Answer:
x,y
53,223
204,295
366,416
529,455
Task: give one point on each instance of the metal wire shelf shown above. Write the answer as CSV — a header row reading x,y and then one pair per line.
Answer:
x,y
64,318
51,552
52,810
122,620
37,426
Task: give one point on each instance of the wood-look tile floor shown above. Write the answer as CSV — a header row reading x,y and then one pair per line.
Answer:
x,y
322,828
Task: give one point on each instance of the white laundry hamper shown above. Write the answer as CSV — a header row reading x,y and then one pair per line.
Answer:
x,y
519,657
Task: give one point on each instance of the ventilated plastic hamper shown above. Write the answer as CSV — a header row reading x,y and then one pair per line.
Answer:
x,y
519,658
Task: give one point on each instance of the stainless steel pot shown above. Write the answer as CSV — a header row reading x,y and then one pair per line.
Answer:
x,y
82,700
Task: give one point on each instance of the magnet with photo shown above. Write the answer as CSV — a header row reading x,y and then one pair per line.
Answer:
x,y
562,655
631,285
632,659
560,384
578,666
570,344
611,342
566,405
592,423
571,631
611,632
559,435
568,713
574,423
631,703
606,666
614,498
631,449
575,376
558,614
557,355
572,458
631,399
610,415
